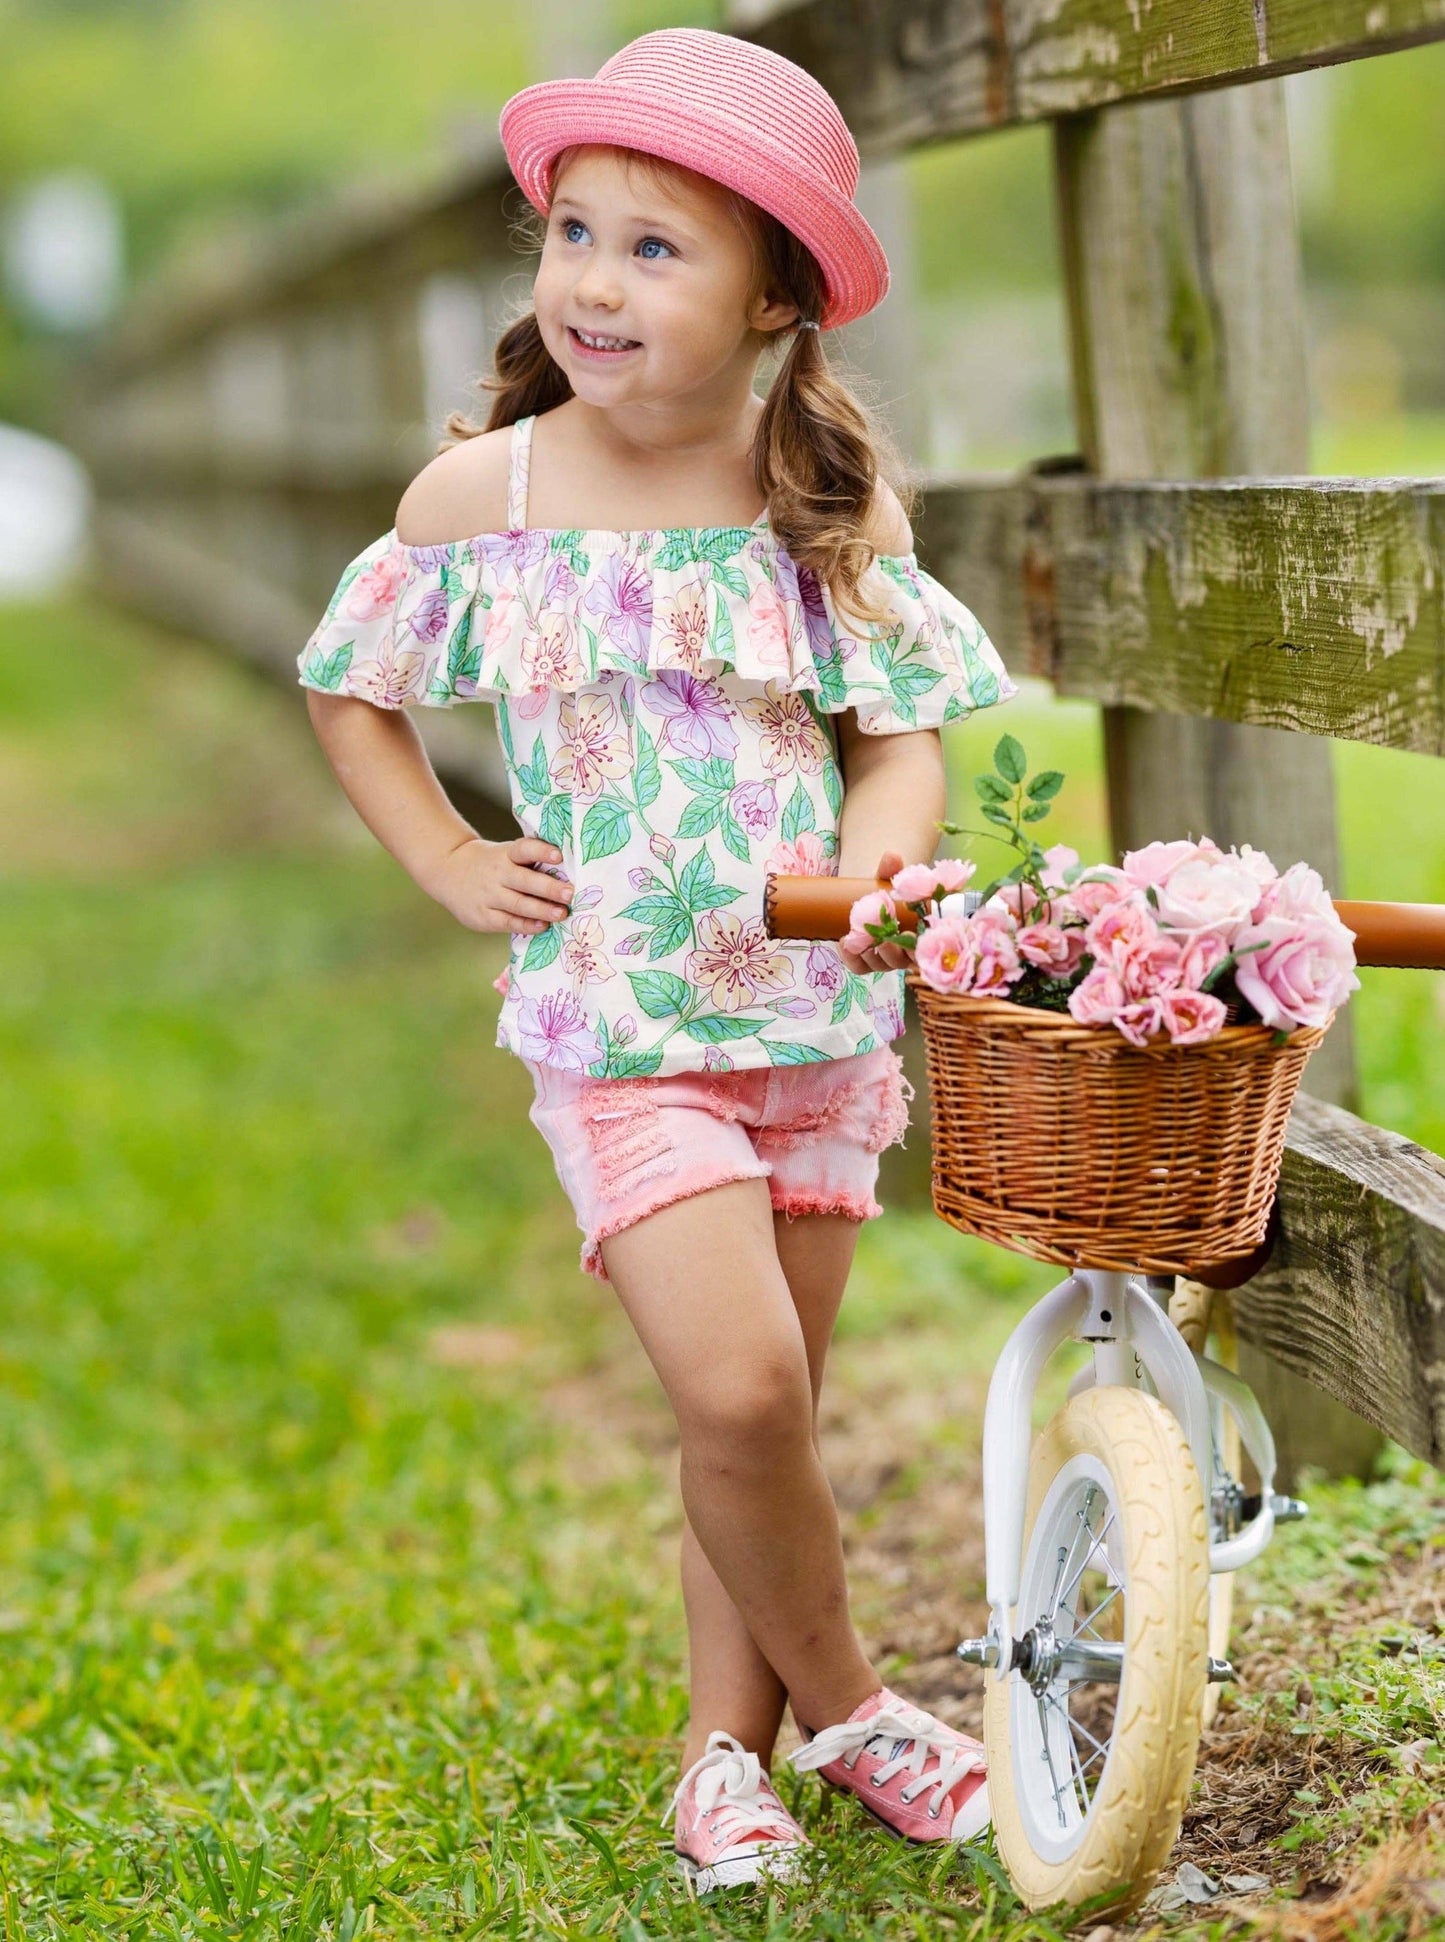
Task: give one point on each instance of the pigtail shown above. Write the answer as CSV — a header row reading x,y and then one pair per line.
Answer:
x,y
820,452
526,377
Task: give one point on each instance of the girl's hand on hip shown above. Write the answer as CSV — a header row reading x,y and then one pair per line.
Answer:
x,y
879,957
499,886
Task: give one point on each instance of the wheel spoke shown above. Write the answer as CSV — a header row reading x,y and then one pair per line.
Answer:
x,y
1049,1757
1098,1541
1088,1624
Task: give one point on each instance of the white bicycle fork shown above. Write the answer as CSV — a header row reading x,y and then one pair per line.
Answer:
x,y
1135,1345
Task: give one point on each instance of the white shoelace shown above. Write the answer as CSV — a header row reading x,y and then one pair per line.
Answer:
x,y
916,1737
730,1797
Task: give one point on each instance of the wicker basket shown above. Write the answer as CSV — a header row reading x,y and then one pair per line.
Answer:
x,y
1066,1143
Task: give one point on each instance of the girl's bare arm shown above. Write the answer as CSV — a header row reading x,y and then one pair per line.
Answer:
x,y
379,761
896,794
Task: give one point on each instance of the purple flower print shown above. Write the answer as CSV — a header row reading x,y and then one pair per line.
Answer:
x,y
429,622
694,714
641,879
815,614
625,1030
824,971
793,1007
755,805
516,550
716,1060
555,1032
621,593
629,946
887,1018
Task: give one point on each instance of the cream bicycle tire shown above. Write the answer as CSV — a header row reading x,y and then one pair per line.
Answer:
x,y
1197,1311
1132,1819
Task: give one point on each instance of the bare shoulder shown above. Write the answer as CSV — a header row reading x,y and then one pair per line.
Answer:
x,y
886,525
461,493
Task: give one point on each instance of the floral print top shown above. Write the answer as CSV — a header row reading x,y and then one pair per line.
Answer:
x,y
665,701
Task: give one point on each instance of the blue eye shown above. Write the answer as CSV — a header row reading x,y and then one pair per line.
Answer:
x,y
576,222
572,223
655,239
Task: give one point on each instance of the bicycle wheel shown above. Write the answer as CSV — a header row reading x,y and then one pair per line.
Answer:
x,y
1091,1741
1199,1312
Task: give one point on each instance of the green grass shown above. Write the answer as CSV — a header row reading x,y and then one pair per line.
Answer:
x,y
338,1587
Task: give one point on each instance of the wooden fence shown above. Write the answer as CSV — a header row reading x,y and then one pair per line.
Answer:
x,y
251,429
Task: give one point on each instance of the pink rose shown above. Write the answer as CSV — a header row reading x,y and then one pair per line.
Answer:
x,y
1140,1020
953,872
373,593
1156,862
945,955
1303,970
914,883
1258,865
1190,1017
1300,892
1098,998
1126,937
1209,892
1057,863
867,909
1050,947
503,983
1097,889
996,958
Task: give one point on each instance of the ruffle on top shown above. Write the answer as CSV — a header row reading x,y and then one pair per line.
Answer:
x,y
504,613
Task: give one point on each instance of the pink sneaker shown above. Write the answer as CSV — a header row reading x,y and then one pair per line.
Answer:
x,y
731,1828
890,1754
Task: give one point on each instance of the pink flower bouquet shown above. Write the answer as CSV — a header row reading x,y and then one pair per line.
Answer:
x,y
1178,939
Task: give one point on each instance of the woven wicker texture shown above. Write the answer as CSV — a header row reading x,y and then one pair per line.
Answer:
x,y
1066,1143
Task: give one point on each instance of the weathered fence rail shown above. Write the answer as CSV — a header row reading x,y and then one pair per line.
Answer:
x,y
251,427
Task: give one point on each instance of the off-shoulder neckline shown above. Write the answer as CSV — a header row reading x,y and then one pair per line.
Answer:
x,y
591,534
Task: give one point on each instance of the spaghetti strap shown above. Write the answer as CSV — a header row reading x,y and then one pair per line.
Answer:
x,y
519,466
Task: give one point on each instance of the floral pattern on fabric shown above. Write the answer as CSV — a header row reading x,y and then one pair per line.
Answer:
x,y
663,700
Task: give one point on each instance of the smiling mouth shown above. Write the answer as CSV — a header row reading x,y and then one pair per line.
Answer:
x,y
612,347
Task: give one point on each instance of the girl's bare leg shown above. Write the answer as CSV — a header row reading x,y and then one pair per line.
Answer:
x,y
731,1682
705,1288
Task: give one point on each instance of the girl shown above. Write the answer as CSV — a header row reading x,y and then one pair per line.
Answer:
x,y
682,684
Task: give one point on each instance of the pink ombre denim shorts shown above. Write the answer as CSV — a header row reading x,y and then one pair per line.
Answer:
x,y
625,1147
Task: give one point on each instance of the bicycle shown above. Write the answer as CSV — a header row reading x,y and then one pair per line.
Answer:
x,y
1110,1548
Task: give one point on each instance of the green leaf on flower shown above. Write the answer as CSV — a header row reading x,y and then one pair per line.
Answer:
x,y
670,936
1009,759
714,1031
542,947
1035,812
655,908
635,1065
707,777
556,824
660,993
780,1053
833,786
798,815
1045,785
701,814
991,789
535,779
996,815
605,829
735,838
647,772
329,671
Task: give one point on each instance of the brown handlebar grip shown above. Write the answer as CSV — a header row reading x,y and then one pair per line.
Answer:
x,y
813,906
1406,935
1411,936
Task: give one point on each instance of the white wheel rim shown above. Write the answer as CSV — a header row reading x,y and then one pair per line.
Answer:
x,y
1073,1571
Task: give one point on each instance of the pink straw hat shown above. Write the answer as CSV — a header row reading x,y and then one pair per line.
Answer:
x,y
729,110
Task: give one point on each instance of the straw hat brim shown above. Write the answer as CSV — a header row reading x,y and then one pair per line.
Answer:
x,y
542,120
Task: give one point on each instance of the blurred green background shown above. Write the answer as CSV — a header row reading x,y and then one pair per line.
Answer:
x,y
339,1518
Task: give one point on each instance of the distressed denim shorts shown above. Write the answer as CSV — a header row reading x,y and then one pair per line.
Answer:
x,y
623,1148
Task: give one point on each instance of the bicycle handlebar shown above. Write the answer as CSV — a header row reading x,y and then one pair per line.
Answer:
x,y
1411,936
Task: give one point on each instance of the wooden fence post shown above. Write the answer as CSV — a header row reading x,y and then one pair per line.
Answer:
x,y
1186,330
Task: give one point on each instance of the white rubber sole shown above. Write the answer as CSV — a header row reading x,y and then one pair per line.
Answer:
x,y
738,1870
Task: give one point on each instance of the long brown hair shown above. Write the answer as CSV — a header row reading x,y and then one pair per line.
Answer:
x,y
820,447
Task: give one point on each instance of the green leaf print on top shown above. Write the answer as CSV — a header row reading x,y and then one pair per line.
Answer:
x,y
329,671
